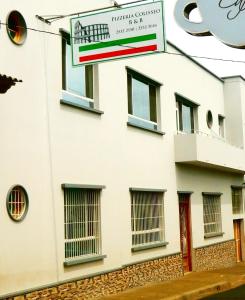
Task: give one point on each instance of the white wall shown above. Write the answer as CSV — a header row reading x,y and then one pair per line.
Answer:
x,y
234,110
199,180
28,248
45,144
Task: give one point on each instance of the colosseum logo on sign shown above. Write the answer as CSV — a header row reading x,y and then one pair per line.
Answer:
x,y
125,32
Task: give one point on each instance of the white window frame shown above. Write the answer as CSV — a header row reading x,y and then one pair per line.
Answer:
x,y
147,235
72,97
212,217
143,120
82,228
17,203
180,101
237,200
135,120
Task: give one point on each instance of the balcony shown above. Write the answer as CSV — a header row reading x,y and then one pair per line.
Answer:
x,y
200,149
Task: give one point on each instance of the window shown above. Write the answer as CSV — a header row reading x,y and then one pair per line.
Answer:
x,y
212,214
17,203
237,201
147,218
82,223
77,82
221,126
142,100
186,114
209,119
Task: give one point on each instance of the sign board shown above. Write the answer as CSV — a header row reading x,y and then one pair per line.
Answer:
x,y
222,18
118,33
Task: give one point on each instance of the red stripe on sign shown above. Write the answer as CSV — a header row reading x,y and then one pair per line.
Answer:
x,y
118,53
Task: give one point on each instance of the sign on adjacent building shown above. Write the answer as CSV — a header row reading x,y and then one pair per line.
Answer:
x,y
118,33
223,19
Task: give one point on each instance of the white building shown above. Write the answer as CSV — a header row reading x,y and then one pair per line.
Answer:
x,y
116,174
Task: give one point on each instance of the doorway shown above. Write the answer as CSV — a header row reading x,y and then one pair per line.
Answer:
x,y
238,239
185,230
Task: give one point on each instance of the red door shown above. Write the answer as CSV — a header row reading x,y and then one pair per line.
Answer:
x,y
185,238
237,236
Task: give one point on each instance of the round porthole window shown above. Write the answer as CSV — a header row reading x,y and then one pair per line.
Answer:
x,y
16,28
17,203
209,119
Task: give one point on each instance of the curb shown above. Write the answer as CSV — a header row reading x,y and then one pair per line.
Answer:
x,y
202,292
239,282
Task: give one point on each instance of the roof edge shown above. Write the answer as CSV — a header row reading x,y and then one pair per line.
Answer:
x,y
234,76
194,61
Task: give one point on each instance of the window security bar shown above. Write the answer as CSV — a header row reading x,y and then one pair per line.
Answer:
x,y
146,231
211,223
17,203
147,219
82,223
237,201
147,244
212,214
81,239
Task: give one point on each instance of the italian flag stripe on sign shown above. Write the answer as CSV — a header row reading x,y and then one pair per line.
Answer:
x,y
116,53
119,42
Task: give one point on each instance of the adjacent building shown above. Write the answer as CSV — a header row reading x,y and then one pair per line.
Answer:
x,y
116,174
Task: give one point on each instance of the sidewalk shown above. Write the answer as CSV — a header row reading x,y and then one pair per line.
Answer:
x,y
194,285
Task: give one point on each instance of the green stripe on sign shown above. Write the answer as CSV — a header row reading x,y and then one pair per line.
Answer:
x,y
119,42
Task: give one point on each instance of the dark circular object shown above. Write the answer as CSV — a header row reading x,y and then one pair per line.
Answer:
x,y
16,27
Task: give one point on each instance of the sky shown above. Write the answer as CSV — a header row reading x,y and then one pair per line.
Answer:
x,y
202,46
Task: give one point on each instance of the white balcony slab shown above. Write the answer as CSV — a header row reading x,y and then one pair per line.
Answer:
x,y
208,151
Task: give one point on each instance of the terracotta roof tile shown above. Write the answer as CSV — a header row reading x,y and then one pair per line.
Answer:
x,y
6,82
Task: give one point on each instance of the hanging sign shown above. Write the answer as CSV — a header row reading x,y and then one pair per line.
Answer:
x,y
224,19
118,33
